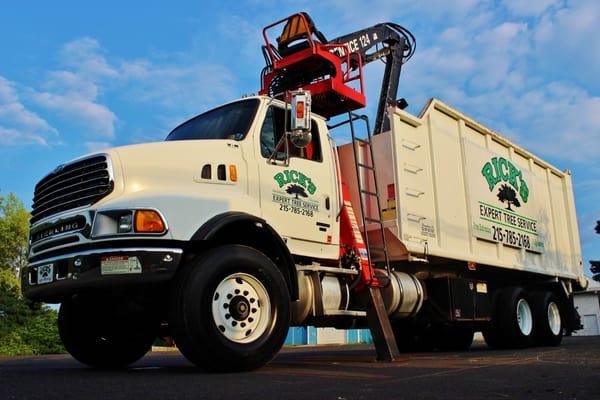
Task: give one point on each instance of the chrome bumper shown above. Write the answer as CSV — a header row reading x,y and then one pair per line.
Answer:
x,y
53,278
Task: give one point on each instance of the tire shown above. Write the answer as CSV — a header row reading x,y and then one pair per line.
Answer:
x,y
230,309
512,320
454,338
547,322
99,338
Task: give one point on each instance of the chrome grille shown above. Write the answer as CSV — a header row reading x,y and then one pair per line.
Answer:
x,y
78,184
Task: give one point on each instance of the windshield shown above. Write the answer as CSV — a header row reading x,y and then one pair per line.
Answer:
x,y
230,121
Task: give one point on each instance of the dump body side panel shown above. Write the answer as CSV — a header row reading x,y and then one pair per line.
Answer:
x,y
462,192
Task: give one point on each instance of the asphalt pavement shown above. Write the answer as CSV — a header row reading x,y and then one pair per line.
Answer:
x,y
571,371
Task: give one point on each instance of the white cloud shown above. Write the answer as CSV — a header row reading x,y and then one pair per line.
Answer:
x,y
85,55
10,137
491,72
19,125
77,93
186,86
70,83
74,94
560,120
526,8
97,118
566,42
375,11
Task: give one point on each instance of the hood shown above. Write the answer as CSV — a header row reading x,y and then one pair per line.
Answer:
x,y
171,164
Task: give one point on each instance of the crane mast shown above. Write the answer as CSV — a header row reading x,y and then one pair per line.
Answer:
x,y
385,41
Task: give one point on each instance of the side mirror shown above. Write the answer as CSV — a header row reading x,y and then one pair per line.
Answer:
x,y
300,134
301,139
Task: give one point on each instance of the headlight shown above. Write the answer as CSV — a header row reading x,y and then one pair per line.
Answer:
x,y
125,224
128,222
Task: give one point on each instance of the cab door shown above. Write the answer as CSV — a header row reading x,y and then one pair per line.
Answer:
x,y
297,190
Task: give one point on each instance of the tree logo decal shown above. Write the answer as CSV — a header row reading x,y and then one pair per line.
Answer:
x,y
507,195
296,190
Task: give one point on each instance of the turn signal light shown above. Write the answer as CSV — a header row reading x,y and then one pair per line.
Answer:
x,y
233,173
148,221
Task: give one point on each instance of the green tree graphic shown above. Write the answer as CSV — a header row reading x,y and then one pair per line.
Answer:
x,y
296,190
508,195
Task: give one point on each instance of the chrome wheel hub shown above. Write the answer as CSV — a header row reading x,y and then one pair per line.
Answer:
x,y
241,308
524,317
554,318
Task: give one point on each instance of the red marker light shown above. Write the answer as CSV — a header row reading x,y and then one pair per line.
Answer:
x,y
391,189
300,109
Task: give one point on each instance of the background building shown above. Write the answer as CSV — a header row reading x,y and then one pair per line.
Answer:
x,y
588,306
312,335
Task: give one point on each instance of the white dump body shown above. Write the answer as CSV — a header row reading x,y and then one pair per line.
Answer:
x,y
451,188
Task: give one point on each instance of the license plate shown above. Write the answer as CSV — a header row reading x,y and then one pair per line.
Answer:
x,y
45,273
118,265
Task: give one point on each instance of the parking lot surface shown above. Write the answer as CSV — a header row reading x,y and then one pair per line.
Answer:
x,y
571,371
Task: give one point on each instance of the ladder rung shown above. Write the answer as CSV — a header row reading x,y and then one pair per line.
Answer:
x,y
362,140
366,166
369,193
367,219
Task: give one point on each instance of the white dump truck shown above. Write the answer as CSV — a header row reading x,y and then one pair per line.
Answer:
x,y
249,219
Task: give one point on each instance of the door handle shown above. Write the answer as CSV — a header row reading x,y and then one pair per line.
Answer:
x,y
323,227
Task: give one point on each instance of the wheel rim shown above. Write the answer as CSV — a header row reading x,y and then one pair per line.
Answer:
x,y
524,317
241,308
554,318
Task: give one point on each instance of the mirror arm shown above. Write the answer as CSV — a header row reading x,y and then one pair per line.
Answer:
x,y
272,158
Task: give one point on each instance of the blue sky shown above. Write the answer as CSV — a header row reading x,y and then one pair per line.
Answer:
x,y
77,77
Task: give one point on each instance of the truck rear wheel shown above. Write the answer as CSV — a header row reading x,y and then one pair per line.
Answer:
x,y
96,336
547,323
512,320
230,310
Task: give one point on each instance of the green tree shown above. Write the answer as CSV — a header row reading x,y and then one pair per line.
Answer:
x,y
595,265
14,229
508,195
25,327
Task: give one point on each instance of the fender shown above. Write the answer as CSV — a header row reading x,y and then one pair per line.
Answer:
x,y
212,229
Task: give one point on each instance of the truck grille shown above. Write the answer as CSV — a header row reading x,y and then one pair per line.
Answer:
x,y
73,185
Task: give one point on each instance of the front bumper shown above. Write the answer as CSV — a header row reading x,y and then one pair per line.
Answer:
x,y
90,269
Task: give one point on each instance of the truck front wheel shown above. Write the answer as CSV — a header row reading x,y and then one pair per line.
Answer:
x,y
95,335
230,310
547,323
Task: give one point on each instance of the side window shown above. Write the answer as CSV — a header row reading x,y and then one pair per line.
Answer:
x,y
272,131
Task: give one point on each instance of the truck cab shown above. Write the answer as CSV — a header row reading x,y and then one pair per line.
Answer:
x,y
118,226
219,163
